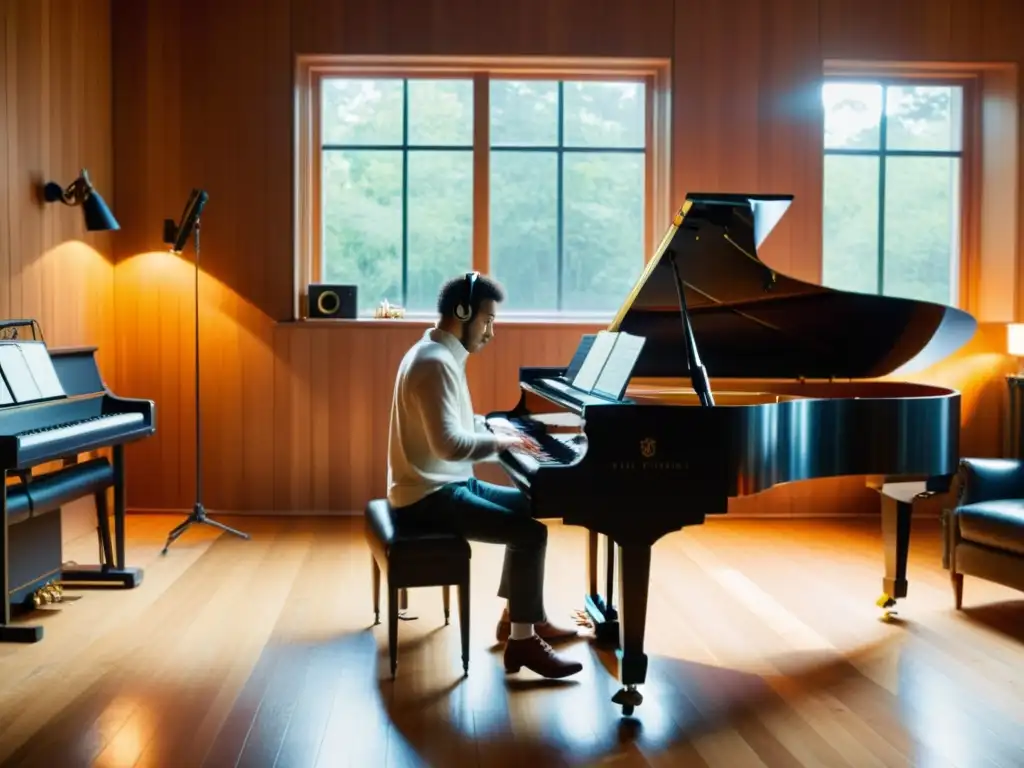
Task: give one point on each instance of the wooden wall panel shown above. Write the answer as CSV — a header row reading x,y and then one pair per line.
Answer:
x,y
296,415
55,119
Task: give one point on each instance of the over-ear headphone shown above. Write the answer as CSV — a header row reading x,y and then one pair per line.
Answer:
x,y
464,309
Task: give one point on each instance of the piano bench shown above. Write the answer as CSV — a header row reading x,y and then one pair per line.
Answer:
x,y
415,558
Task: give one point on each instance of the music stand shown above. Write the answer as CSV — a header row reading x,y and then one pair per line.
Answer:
x,y
176,235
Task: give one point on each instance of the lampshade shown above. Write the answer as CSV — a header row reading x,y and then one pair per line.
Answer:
x,y
1015,339
98,217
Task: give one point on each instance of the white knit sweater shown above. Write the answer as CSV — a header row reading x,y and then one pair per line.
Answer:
x,y
434,437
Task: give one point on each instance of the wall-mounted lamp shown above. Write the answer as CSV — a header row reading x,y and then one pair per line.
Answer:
x,y
1015,341
98,217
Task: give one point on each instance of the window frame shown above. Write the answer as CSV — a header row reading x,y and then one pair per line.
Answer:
x,y
312,70
963,266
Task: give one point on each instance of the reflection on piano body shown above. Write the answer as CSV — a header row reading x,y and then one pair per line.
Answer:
x,y
789,403
54,406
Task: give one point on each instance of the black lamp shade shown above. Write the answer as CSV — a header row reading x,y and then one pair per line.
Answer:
x,y
98,217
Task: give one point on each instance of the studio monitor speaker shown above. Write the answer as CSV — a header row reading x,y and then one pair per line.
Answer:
x,y
332,301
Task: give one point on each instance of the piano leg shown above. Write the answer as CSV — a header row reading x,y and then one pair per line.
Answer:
x,y
107,572
20,633
896,516
601,610
634,581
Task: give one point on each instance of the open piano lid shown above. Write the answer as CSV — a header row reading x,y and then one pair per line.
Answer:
x,y
752,322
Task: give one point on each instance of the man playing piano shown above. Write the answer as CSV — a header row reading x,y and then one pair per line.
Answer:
x,y
433,442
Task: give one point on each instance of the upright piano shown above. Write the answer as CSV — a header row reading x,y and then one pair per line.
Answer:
x,y
792,400
54,408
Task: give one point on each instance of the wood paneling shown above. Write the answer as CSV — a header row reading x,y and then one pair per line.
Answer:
x,y
55,119
296,415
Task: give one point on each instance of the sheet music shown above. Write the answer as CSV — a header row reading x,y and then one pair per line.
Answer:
x,y
40,365
586,377
23,386
618,368
586,342
29,371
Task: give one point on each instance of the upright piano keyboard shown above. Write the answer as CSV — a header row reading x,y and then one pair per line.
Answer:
x,y
789,403
54,407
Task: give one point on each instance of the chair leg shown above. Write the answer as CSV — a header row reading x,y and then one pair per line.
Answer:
x,y
446,596
464,622
376,591
958,588
393,628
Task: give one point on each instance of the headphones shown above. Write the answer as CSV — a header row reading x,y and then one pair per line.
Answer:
x,y
464,309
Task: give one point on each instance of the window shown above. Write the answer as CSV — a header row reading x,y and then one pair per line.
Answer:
x,y
553,182
892,187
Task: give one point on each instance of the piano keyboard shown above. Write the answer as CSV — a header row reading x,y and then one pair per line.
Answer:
x,y
76,429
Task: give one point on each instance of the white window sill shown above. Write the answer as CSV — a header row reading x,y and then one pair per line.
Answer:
x,y
417,319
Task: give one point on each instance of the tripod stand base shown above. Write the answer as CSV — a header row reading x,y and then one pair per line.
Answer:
x,y
198,517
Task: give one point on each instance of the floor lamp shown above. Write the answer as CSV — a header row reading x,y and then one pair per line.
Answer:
x,y
176,235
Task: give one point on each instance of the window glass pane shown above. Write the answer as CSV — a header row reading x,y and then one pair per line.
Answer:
x,y
853,115
922,205
850,222
924,117
441,112
603,196
359,111
440,222
524,227
604,114
524,113
362,223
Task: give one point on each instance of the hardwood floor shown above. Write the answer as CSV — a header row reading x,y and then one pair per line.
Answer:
x,y
765,641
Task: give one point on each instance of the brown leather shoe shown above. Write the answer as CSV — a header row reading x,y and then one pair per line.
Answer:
x,y
535,654
544,629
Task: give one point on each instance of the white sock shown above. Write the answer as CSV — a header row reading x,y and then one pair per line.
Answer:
x,y
521,631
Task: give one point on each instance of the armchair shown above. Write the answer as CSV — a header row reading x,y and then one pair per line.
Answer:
x,y
984,531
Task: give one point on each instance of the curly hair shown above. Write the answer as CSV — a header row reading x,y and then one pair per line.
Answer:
x,y
453,293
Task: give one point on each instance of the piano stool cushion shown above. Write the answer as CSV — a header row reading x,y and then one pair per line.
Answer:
x,y
998,524
413,555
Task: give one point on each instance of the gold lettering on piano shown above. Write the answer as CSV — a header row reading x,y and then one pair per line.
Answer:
x,y
648,447
663,466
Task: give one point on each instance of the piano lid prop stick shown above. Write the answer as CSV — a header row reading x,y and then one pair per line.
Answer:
x,y
698,375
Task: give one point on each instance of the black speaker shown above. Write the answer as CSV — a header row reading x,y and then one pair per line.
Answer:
x,y
332,300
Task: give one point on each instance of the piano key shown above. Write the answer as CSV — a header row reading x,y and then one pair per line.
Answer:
x,y
77,429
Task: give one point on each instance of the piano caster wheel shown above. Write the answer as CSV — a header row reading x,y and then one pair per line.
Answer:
x,y
887,604
630,698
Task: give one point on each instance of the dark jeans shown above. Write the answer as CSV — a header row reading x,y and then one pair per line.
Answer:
x,y
494,514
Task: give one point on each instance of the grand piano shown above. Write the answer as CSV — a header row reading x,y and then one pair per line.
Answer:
x,y
56,409
792,399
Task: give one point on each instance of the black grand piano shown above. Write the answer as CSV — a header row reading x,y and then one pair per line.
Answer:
x,y
789,402
55,407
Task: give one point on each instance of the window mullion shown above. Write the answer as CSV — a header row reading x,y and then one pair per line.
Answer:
x,y
405,193
882,143
481,173
560,202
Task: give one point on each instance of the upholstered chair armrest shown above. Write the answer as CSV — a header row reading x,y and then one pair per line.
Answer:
x,y
989,480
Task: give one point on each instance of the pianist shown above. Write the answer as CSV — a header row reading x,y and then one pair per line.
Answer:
x,y
433,442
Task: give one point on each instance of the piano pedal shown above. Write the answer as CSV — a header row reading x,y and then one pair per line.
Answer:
x,y
51,592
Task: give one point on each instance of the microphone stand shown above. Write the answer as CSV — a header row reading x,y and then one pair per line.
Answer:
x,y
198,516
